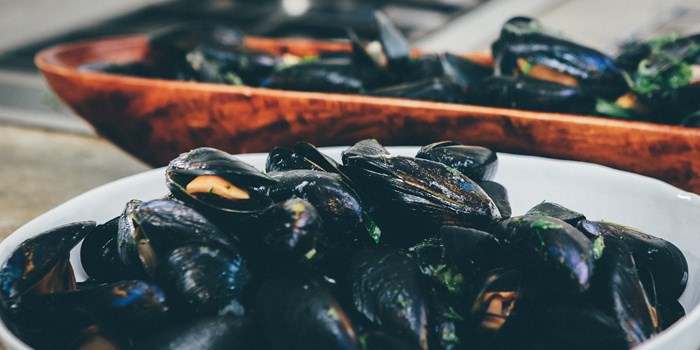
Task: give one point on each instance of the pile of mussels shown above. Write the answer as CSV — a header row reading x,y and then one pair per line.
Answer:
x,y
534,68
379,252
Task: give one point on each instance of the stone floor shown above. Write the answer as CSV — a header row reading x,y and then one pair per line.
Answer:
x,y
42,169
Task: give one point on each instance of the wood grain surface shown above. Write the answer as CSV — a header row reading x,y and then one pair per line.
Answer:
x,y
155,120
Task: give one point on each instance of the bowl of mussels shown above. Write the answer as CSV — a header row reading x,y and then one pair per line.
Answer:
x,y
446,246
535,93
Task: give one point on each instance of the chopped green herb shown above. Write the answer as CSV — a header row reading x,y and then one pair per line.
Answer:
x,y
401,301
449,336
544,225
598,247
612,109
453,281
527,68
362,340
310,254
233,79
374,231
333,314
451,314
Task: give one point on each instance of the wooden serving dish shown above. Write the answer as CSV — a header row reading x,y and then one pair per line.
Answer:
x,y
155,120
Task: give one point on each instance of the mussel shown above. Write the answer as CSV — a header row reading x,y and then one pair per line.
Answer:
x,y
217,182
477,163
41,264
526,49
298,312
413,197
386,290
664,260
557,250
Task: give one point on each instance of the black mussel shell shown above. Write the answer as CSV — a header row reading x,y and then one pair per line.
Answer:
x,y
367,147
326,77
386,289
377,340
42,259
215,64
283,159
209,161
126,309
343,229
524,44
394,45
395,49
553,248
205,280
302,156
473,252
617,291
476,162
288,230
99,253
431,89
558,211
298,312
414,197
579,326
669,312
447,326
460,70
499,195
531,94
434,264
210,332
664,260
148,231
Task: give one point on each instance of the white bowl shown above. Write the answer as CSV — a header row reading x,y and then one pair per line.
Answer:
x,y
598,192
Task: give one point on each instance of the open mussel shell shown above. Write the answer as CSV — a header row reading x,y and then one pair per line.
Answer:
x,y
216,181
531,94
414,197
386,289
664,260
497,294
298,312
476,162
556,250
41,264
617,291
525,48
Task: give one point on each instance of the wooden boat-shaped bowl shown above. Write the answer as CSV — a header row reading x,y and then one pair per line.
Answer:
x,y
155,120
